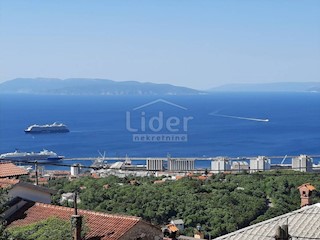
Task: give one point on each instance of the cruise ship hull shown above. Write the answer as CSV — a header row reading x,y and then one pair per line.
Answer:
x,y
48,128
42,156
34,158
47,131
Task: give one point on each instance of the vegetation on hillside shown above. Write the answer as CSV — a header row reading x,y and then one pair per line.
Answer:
x,y
220,204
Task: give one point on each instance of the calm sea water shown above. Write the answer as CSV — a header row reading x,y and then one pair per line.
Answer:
x,y
99,123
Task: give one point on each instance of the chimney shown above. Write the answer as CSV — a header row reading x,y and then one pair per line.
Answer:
x,y
282,233
305,194
76,220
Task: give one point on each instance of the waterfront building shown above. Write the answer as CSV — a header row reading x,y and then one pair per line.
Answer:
x,y
239,166
75,170
180,164
220,164
302,163
154,164
261,163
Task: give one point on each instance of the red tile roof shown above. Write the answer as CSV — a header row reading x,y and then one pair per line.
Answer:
x,y
6,182
105,226
172,228
308,186
8,169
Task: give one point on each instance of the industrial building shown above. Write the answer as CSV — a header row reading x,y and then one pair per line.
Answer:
x,y
260,163
180,164
154,164
302,163
220,164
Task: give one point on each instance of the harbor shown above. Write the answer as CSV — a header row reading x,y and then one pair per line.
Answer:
x,y
170,165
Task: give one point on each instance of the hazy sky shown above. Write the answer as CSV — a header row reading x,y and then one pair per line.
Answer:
x,y
197,43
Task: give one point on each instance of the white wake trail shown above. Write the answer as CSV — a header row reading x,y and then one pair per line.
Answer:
x,y
243,118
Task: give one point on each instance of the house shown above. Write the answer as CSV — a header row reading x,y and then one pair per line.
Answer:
x,y
303,223
179,223
101,226
7,182
9,170
31,192
170,231
68,197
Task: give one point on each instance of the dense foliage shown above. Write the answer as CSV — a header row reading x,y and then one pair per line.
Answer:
x,y
50,229
220,204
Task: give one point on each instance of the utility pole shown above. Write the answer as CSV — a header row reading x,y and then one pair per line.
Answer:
x,y
76,220
36,169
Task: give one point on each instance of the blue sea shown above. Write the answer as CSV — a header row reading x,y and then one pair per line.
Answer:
x,y
107,123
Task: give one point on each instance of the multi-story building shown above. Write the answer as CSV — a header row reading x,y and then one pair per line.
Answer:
x,y
180,164
220,164
302,163
154,164
261,163
239,166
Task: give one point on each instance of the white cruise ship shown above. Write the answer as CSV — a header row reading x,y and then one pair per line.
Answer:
x,y
44,155
48,128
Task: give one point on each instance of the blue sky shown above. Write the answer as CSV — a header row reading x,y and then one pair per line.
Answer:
x,y
199,43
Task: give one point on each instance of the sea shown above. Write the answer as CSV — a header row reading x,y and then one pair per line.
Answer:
x,y
218,124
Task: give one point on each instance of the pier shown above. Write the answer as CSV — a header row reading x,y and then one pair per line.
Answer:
x,y
186,158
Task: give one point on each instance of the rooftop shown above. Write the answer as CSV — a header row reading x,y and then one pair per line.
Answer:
x,y
177,221
308,186
35,187
101,225
8,169
6,182
304,223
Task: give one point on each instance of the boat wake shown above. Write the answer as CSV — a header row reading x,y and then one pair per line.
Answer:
x,y
237,117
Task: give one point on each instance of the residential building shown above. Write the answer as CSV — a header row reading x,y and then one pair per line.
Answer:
x,y
31,192
179,223
9,170
68,197
100,225
7,182
303,223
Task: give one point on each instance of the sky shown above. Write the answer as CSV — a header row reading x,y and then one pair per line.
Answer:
x,y
194,43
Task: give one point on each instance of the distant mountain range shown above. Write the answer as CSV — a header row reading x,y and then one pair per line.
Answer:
x,y
269,87
85,86
88,86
